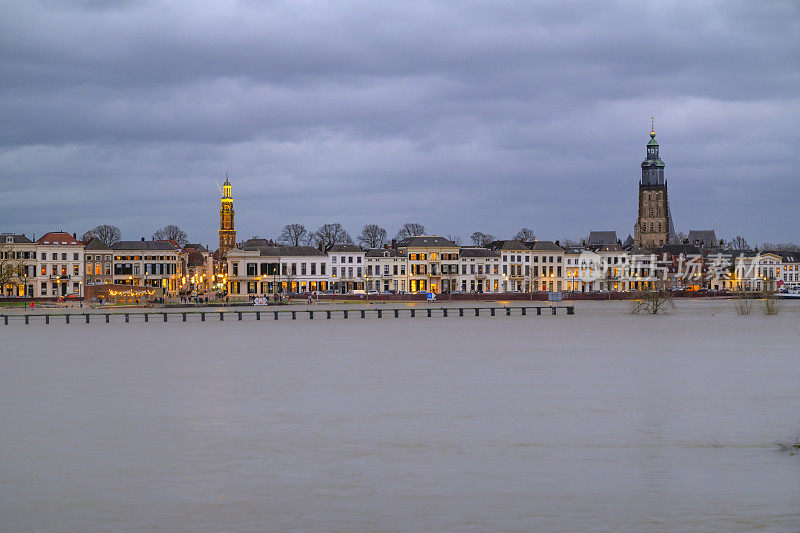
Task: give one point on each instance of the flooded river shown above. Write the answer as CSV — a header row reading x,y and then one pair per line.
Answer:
x,y
597,421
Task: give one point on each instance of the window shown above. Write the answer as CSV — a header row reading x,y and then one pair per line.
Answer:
x,y
74,257
505,269
313,269
349,272
350,259
333,259
333,272
322,269
251,270
75,269
505,258
55,256
302,269
369,270
235,268
358,272
358,259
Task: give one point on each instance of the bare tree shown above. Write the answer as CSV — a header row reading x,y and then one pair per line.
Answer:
x,y
680,238
107,233
525,235
410,229
456,239
372,236
294,235
330,234
11,267
738,243
780,246
481,239
171,233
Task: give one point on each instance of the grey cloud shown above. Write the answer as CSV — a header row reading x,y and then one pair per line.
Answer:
x,y
466,116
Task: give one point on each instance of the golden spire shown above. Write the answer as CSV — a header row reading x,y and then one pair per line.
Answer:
x,y
652,127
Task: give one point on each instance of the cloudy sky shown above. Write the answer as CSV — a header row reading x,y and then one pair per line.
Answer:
x,y
464,116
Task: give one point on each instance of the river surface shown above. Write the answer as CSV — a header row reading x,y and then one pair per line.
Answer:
x,y
601,421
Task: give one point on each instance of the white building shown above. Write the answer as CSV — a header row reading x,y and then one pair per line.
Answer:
x,y
59,267
480,271
387,270
260,269
18,251
147,264
348,268
547,266
516,258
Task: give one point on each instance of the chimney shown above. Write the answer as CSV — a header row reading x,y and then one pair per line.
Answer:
x,y
558,243
74,235
142,239
394,244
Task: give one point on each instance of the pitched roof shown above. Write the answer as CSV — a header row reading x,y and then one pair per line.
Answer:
x,y
96,244
705,237
15,238
677,249
602,237
509,245
478,252
196,247
285,251
426,241
58,237
195,259
346,248
628,241
385,252
546,245
144,245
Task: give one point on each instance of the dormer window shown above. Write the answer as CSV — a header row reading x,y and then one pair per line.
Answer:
x,y
9,239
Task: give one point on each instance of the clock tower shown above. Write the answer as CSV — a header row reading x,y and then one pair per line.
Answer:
x,y
227,230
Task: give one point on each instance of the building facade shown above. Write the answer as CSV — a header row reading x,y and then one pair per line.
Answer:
x,y
431,259
98,267
59,268
147,264
18,260
261,269
387,270
348,268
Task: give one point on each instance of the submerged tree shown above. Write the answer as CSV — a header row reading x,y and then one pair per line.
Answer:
x,y
106,233
171,233
294,235
652,301
372,236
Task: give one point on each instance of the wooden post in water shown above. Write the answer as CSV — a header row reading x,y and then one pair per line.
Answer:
x,y
397,313
444,312
67,317
258,315
363,314
430,311
276,315
27,319
146,318
46,319
328,315
221,316
165,316
524,311
294,315
107,318
345,313
127,318
380,313
460,311
239,314
183,315
477,311
413,313
87,317
508,311
202,316
310,314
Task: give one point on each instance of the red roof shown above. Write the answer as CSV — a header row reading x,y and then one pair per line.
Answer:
x,y
58,237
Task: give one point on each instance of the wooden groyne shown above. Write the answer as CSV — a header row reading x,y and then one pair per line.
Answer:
x,y
288,314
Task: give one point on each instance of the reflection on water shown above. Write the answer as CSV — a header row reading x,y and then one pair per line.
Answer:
x,y
598,421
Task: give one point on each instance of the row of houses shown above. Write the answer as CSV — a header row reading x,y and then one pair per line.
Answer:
x,y
437,265
58,264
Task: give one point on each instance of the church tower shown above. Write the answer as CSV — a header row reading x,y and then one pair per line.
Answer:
x,y
227,231
653,226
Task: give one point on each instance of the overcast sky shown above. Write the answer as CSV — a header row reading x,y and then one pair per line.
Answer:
x,y
464,116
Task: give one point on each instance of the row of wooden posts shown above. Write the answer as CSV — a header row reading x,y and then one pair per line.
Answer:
x,y
345,313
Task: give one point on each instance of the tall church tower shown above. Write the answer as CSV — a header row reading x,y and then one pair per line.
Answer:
x,y
227,231
653,226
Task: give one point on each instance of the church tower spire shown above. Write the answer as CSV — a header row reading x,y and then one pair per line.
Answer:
x,y
227,229
652,227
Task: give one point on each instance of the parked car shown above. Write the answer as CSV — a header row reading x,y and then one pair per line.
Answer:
x,y
372,291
